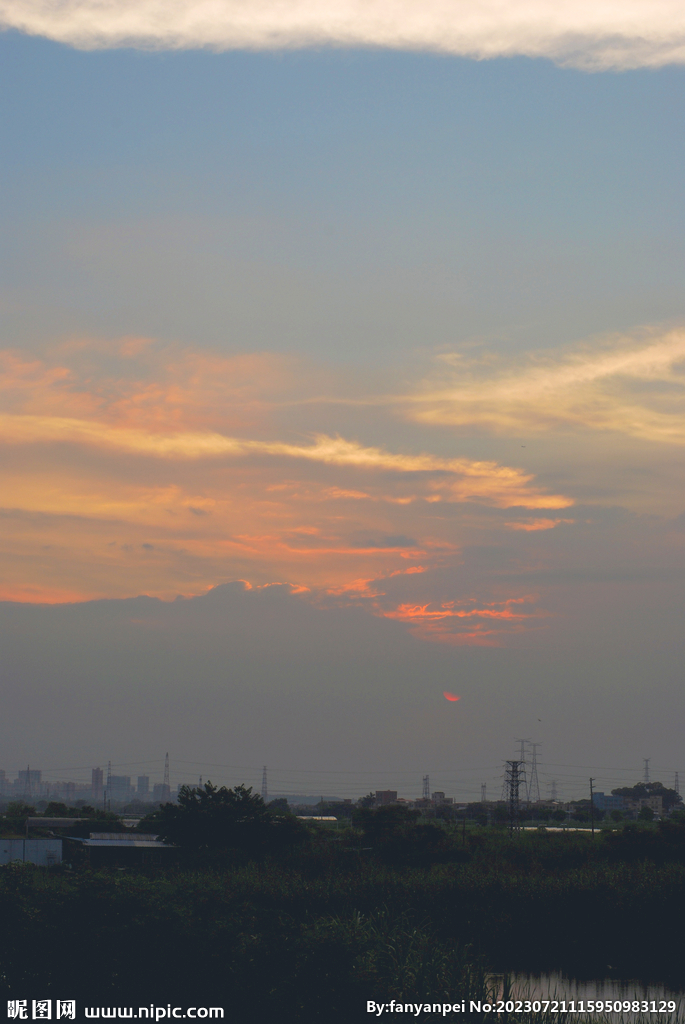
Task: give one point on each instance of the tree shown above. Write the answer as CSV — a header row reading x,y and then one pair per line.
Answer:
x,y
367,801
20,809
646,814
279,806
397,838
211,820
670,800
384,821
56,810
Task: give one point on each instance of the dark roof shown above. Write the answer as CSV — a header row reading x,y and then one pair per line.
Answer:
x,y
54,822
123,842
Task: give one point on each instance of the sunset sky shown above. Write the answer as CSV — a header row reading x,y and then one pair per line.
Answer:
x,y
371,315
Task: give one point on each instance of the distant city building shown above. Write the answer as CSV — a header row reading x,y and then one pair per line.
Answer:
x,y
120,789
64,792
386,796
608,802
143,788
28,784
96,785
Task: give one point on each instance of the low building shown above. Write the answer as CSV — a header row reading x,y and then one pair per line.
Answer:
x,y
53,823
324,820
116,849
386,796
608,802
45,853
654,803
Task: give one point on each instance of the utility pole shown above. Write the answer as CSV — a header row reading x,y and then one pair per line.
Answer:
x,y
553,795
515,774
592,807
265,790
533,784
646,775
676,784
426,789
167,784
483,792
109,786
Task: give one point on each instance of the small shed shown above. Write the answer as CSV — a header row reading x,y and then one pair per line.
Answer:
x,y
46,853
116,849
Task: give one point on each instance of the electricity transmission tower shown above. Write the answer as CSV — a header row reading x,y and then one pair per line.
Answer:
x,y
515,774
522,758
265,790
533,784
426,791
167,784
483,792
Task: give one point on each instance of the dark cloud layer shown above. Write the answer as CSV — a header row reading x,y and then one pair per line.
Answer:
x,y
246,677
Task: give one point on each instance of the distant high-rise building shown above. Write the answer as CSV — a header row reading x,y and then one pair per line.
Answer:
x,y
161,793
120,788
29,783
96,784
386,796
143,788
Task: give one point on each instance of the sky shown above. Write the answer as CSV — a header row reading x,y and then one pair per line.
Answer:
x,y
343,363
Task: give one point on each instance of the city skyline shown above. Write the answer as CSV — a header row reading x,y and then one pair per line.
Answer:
x,y
556,782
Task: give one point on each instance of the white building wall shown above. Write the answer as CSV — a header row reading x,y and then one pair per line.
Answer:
x,y
43,852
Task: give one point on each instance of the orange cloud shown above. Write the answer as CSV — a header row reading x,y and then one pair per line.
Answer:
x,y
538,524
131,467
438,623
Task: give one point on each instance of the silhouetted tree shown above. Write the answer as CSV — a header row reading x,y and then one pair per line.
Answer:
x,y
643,790
20,809
56,810
212,820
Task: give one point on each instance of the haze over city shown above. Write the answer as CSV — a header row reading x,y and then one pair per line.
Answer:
x,y
342,366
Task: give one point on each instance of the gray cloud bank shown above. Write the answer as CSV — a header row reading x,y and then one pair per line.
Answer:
x,y
590,34
247,677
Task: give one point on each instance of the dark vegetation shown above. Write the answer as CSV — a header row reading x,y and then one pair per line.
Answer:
x,y
279,920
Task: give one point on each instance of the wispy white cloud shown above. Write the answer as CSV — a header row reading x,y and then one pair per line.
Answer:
x,y
633,386
592,34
